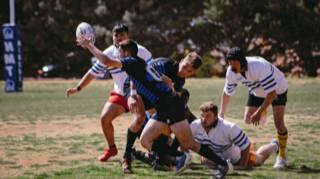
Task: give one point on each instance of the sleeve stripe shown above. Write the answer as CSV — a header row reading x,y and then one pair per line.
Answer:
x,y
272,70
241,139
234,84
254,83
99,65
240,133
244,142
94,71
272,85
149,60
268,82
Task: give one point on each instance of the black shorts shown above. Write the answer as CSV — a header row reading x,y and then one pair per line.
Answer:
x,y
170,110
255,101
147,104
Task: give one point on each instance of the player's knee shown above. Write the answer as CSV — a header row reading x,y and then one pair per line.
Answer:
x,y
187,145
105,120
145,142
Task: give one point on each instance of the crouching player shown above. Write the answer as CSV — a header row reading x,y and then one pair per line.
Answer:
x,y
228,140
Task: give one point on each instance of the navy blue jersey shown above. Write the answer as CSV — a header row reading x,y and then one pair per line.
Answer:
x,y
146,79
169,68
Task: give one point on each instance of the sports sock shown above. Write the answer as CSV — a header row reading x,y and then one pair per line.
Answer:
x,y
131,138
282,138
208,153
174,148
112,146
161,148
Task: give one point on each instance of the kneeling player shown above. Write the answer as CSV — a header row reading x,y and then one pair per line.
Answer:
x,y
227,139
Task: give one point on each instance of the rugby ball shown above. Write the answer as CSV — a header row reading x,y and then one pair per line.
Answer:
x,y
85,31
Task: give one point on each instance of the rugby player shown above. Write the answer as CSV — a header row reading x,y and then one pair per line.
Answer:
x,y
267,85
117,102
228,140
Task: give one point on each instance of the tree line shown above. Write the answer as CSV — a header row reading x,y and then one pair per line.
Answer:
x,y
284,32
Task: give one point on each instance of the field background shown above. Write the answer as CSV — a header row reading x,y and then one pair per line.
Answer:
x,y
43,134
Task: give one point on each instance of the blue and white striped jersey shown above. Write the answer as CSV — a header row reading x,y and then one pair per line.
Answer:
x,y
226,138
119,76
261,78
146,79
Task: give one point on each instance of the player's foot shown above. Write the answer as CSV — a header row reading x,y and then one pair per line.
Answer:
x,y
126,166
280,163
182,163
156,162
143,156
107,154
222,171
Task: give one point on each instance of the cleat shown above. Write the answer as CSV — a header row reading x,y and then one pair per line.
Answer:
x,y
222,171
126,166
143,156
107,154
280,163
182,163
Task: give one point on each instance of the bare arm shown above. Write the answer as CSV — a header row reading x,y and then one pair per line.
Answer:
x,y
255,118
225,99
102,57
85,80
85,43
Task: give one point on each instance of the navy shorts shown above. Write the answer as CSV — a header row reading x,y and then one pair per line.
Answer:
x,y
170,110
280,100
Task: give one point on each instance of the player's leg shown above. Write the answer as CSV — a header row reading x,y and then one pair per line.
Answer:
x,y
183,133
151,132
278,107
133,132
113,108
264,152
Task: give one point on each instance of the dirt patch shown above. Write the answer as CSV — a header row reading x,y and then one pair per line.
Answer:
x,y
15,163
55,128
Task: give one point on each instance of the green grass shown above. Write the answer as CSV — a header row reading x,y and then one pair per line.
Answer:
x,y
74,155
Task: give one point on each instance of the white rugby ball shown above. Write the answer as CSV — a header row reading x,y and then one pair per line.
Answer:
x,y
85,31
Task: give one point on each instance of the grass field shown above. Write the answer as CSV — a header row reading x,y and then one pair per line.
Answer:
x,y
43,134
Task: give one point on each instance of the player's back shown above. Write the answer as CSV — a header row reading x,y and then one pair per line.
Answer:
x,y
147,80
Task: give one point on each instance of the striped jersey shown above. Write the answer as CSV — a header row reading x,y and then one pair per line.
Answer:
x,y
170,69
146,79
261,78
226,138
121,83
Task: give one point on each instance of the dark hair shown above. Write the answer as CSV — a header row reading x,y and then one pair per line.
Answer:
x,y
209,106
120,27
194,58
235,53
129,45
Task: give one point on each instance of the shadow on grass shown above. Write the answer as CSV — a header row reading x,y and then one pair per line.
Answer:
x,y
303,169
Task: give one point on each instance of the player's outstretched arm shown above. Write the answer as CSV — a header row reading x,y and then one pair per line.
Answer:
x,y
85,43
85,80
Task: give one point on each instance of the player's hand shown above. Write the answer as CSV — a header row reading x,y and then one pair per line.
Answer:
x,y
83,42
133,103
167,81
255,118
71,91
